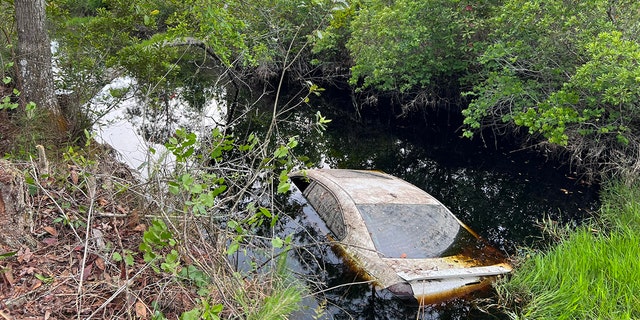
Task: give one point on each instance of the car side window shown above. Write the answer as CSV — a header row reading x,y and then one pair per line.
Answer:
x,y
328,207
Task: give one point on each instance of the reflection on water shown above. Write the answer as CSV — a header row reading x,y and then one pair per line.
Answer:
x,y
500,195
133,130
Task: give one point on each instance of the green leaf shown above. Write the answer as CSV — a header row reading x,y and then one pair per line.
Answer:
x,y
233,247
191,314
42,278
281,152
284,187
265,212
128,259
116,257
8,254
277,242
293,142
174,188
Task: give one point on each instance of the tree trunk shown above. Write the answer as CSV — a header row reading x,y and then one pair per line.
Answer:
x,y
34,59
15,220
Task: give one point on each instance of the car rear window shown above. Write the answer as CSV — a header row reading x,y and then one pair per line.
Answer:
x,y
413,231
328,208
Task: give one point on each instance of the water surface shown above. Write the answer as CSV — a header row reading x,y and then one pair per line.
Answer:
x,y
502,194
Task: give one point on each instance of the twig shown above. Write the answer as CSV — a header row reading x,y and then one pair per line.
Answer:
x,y
127,283
91,189
5,316
64,214
340,286
126,274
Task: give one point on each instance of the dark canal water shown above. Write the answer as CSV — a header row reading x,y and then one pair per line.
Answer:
x,y
500,193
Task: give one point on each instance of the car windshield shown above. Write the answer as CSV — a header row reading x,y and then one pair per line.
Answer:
x,y
412,231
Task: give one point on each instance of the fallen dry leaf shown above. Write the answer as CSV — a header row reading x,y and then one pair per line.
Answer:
x,y
27,270
74,176
50,241
36,284
87,272
51,230
100,263
24,255
121,209
103,202
8,275
140,228
141,309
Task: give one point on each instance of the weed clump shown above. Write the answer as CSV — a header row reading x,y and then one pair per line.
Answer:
x,y
593,273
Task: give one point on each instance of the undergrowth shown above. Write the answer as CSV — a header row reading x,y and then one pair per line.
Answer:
x,y
593,273
111,246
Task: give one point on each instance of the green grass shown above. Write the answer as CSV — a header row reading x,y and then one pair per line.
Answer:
x,y
594,273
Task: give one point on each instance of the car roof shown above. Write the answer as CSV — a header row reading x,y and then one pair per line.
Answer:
x,y
372,187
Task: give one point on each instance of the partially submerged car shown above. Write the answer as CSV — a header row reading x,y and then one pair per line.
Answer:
x,y
398,236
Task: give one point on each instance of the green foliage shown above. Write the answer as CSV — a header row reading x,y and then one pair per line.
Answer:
x,y
204,311
408,45
9,35
154,41
200,195
200,189
566,74
243,229
159,244
182,145
329,44
560,71
321,123
9,96
283,301
155,239
199,192
280,29
127,258
285,159
77,8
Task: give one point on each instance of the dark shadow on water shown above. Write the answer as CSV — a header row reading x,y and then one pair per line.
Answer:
x,y
500,194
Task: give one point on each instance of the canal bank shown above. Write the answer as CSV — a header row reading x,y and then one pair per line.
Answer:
x,y
591,273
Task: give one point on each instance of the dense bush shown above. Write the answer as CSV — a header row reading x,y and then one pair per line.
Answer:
x,y
568,74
